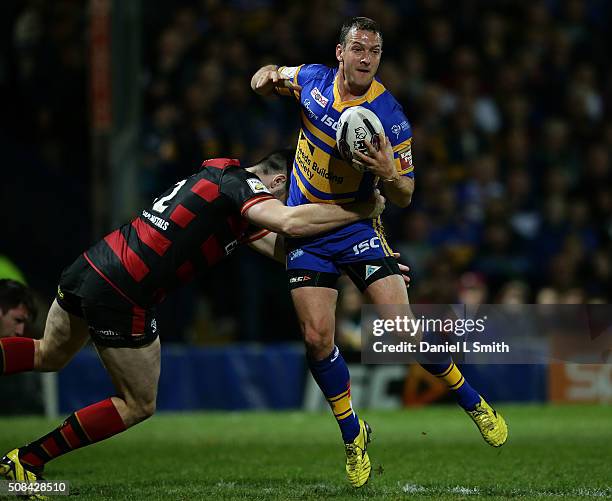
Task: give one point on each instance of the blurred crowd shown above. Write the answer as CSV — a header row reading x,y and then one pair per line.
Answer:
x,y
510,104
44,138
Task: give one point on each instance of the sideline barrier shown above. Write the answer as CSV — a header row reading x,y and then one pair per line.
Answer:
x,y
231,378
274,377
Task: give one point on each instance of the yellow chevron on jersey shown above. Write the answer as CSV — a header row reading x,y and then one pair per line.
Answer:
x,y
375,90
319,174
316,132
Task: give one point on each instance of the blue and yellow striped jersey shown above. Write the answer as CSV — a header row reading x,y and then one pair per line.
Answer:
x,y
319,173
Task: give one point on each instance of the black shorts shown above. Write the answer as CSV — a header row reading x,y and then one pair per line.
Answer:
x,y
362,273
112,319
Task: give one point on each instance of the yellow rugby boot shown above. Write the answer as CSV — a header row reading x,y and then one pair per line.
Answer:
x,y
358,465
491,424
11,469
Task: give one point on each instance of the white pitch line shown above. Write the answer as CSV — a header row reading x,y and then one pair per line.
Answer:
x,y
414,489
475,491
458,489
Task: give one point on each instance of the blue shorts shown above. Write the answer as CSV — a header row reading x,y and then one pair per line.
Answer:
x,y
319,261
359,241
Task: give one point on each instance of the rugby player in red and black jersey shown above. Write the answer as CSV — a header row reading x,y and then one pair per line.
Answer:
x,y
109,293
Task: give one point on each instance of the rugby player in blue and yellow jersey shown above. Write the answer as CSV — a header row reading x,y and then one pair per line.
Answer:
x,y
360,249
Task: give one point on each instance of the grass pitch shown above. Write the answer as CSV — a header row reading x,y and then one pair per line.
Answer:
x,y
432,453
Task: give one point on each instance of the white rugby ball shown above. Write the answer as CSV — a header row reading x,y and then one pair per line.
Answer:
x,y
357,124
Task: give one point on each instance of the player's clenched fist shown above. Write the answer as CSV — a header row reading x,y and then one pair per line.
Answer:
x,y
268,78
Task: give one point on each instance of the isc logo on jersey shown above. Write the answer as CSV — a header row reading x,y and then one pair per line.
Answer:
x,y
327,120
257,186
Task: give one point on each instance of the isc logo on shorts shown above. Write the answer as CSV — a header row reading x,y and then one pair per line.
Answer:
x,y
303,278
366,245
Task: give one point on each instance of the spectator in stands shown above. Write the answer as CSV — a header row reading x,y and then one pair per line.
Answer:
x,y
16,308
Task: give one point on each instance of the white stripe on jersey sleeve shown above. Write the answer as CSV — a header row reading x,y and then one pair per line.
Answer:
x,y
288,71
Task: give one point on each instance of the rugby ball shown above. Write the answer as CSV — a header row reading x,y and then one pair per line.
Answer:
x,y
357,124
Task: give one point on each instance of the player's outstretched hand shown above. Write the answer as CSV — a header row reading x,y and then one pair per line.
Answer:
x,y
379,204
379,162
267,80
403,268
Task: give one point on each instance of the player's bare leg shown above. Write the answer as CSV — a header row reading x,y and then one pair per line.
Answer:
x,y
316,311
135,375
64,336
391,290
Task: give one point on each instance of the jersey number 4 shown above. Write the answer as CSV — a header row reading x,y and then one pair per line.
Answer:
x,y
161,204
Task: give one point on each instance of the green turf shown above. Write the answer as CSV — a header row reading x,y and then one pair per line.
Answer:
x,y
433,453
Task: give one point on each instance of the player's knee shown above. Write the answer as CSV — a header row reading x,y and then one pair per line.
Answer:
x,y
143,410
319,339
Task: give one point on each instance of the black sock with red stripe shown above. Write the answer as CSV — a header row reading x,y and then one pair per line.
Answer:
x,y
16,355
85,427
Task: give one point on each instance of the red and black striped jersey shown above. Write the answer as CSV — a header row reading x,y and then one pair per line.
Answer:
x,y
188,229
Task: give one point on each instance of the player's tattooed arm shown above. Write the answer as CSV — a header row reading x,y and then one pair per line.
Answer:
x,y
311,219
268,77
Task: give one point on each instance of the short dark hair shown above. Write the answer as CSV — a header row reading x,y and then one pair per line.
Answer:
x,y
277,162
13,293
359,23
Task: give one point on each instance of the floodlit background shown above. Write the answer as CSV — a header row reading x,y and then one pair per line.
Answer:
x,y
106,103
